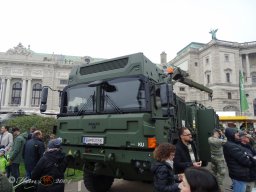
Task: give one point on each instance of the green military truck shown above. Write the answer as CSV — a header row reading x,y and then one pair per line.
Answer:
x,y
113,113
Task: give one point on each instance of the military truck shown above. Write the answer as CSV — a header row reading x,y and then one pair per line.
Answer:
x,y
113,114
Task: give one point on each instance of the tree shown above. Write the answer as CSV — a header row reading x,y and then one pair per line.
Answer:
x,y
44,124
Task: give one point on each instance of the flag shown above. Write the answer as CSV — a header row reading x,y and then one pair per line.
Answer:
x,y
243,100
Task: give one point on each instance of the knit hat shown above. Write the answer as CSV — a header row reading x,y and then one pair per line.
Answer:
x,y
2,151
54,143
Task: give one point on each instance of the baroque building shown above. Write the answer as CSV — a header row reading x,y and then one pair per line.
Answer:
x,y
23,73
217,65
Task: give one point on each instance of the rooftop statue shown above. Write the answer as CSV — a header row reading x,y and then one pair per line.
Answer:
x,y
19,50
213,32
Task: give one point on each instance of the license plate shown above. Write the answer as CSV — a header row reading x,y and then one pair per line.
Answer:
x,y
93,140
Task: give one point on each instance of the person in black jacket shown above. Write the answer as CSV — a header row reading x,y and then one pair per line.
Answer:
x,y
245,140
33,151
162,169
182,159
50,168
238,161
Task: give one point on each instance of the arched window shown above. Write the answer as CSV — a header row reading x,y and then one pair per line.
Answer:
x,y
16,93
36,93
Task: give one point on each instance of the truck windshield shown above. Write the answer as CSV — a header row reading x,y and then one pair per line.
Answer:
x,y
114,96
129,95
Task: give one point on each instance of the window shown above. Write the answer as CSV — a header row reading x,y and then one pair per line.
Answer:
x,y
254,107
207,60
253,78
226,57
182,88
36,94
228,77
16,93
63,82
208,78
229,95
114,98
196,64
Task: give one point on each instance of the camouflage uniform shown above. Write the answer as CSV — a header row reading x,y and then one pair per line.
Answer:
x,y
217,158
5,185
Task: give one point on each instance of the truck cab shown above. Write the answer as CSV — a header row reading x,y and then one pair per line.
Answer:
x,y
113,114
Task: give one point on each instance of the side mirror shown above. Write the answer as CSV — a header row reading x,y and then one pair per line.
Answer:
x,y
167,100
43,108
44,96
167,112
166,95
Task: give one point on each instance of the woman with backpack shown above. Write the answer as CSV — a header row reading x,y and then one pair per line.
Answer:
x,y
49,171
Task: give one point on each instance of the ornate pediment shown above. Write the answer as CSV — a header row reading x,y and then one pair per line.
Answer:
x,y
19,50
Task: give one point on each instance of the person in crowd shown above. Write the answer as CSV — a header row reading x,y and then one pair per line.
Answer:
x,y
198,179
162,169
33,151
6,138
5,185
52,136
16,152
50,168
6,141
182,159
31,131
245,140
216,141
3,161
238,161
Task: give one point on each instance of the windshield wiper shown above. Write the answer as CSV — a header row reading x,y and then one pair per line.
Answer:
x,y
86,105
112,104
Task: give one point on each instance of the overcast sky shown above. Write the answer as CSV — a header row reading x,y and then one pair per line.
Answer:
x,y
112,28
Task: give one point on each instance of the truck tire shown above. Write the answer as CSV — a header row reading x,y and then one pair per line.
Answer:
x,y
97,183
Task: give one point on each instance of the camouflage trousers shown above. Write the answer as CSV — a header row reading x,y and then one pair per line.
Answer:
x,y
218,168
250,186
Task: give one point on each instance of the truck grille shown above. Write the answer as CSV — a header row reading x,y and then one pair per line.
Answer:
x,y
106,66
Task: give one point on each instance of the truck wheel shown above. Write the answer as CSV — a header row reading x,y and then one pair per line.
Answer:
x,y
97,183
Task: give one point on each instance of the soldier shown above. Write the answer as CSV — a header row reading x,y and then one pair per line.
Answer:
x,y
5,185
216,141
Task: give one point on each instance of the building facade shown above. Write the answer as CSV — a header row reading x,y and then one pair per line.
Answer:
x,y
217,65
23,73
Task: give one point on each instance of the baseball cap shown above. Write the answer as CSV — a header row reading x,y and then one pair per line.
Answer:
x,y
242,134
2,151
216,130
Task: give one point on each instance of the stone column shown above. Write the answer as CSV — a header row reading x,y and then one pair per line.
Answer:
x,y
2,91
23,93
7,92
28,101
248,70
